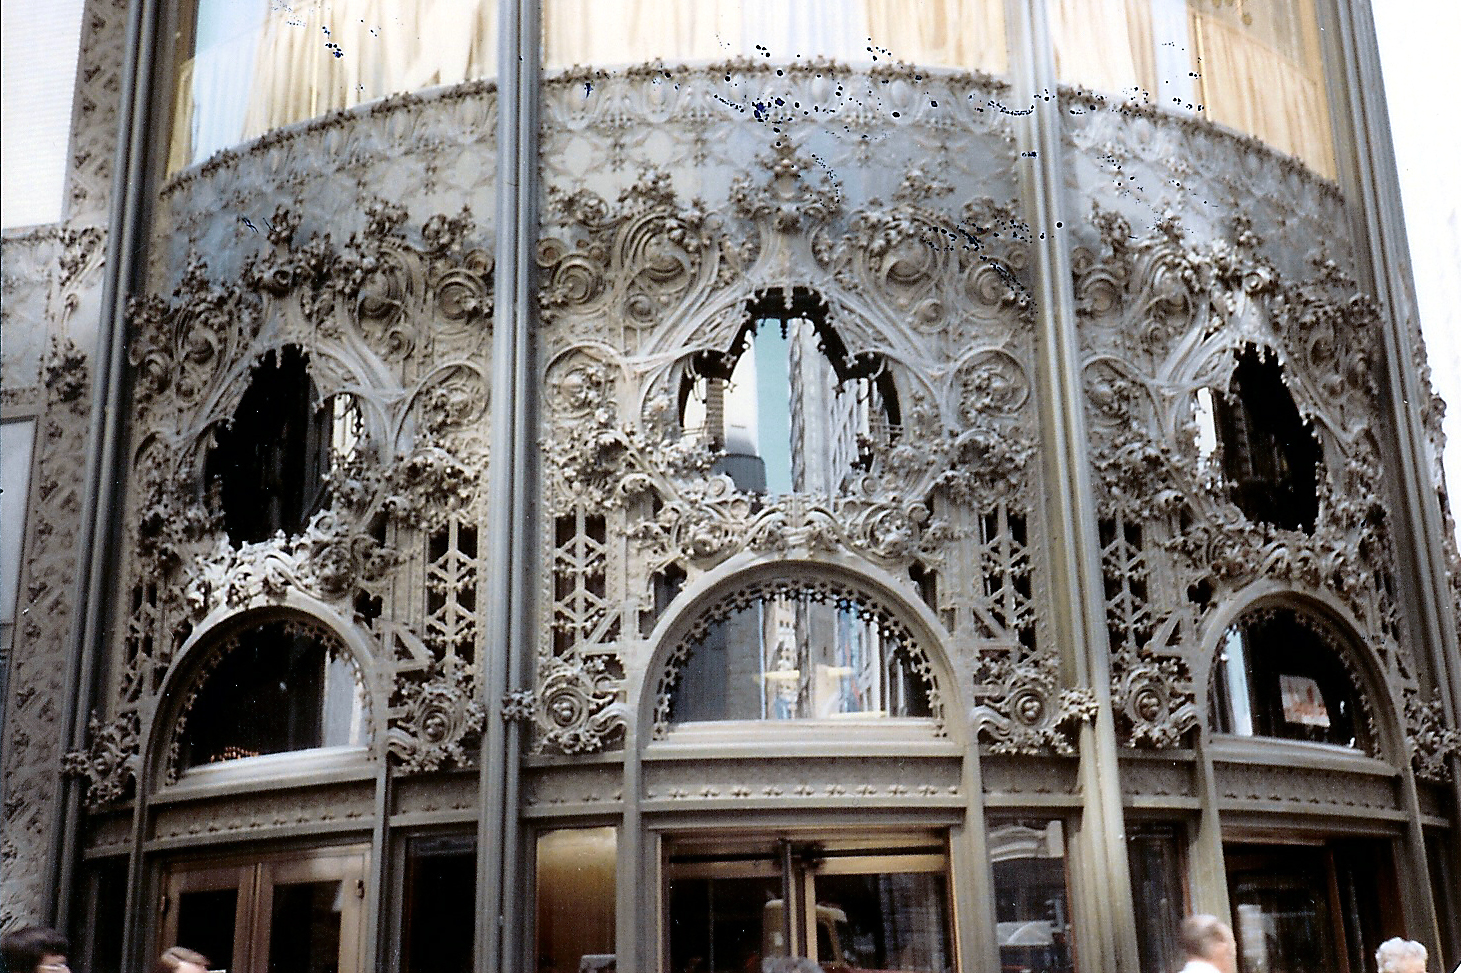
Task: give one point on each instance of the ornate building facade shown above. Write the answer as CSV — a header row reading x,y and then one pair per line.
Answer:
x,y
917,487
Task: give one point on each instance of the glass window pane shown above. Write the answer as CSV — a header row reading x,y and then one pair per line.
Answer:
x,y
576,893
206,923
932,33
1252,65
253,65
304,927
1261,73
725,925
1282,674
796,653
883,922
441,905
1032,906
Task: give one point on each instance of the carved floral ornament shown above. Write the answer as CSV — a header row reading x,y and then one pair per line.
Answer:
x,y
679,278
1021,707
442,718
400,330
634,290
1164,316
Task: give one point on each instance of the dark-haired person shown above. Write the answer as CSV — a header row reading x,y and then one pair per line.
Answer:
x,y
34,949
176,959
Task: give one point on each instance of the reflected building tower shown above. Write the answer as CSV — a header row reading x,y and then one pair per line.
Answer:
x,y
683,486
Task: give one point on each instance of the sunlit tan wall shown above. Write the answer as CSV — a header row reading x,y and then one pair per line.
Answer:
x,y
933,33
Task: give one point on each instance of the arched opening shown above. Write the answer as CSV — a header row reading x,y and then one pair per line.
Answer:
x,y
277,686
792,410
270,463
1266,453
1282,672
789,648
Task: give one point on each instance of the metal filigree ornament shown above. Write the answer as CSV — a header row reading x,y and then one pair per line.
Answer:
x,y
111,760
439,717
1153,701
580,707
1023,710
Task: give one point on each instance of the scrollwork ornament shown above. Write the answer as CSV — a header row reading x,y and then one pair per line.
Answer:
x,y
438,718
1022,710
111,760
1432,742
580,707
1153,701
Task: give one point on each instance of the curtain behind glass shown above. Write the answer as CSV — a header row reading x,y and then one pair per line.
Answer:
x,y
262,64
1262,74
939,33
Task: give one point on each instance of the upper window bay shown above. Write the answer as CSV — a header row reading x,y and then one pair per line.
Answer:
x,y
786,405
270,462
245,67
1262,451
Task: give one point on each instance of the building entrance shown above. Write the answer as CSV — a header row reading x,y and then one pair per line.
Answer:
x,y
296,912
737,905
1311,907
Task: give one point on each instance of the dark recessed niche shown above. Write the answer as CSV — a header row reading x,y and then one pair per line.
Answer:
x,y
270,461
1270,458
274,687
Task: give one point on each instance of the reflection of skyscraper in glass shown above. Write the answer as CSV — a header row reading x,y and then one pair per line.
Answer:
x,y
786,421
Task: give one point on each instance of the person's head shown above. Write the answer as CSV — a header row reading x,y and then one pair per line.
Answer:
x,y
176,959
34,949
1400,956
1208,938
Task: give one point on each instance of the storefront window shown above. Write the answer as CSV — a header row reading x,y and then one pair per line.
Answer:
x,y
930,33
279,686
797,650
576,892
1155,857
439,913
1032,904
1281,673
250,66
740,905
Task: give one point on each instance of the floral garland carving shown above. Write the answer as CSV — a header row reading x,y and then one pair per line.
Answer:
x,y
1022,709
111,760
440,718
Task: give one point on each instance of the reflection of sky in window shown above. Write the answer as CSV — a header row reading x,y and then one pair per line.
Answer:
x,y
773,402
1235,658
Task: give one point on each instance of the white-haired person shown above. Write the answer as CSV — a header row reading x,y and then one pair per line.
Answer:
x,y
1400,956
1209,945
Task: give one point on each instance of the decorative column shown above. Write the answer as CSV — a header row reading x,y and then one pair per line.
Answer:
x,y
1102,889
502,886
